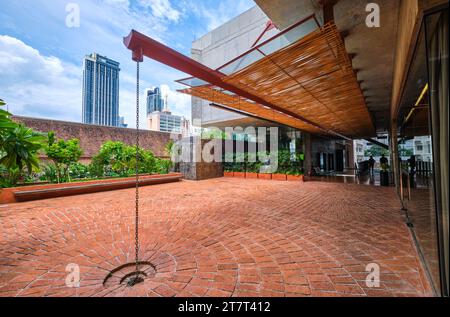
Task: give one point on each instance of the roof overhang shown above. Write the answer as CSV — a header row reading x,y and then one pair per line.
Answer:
x,y
302,77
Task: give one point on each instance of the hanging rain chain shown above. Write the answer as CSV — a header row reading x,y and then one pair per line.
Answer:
x,y
137,278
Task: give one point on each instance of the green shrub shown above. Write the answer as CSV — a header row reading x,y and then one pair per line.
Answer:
x,y
63,154
78,170
50,173
163,166
118,159
19,148
288,163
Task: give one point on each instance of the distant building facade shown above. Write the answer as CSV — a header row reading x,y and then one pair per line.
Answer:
x,y
100,91
165,121
154,100
186,128
122,123
359,147
422,148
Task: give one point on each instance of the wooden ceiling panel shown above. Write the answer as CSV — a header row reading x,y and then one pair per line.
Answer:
x,y
240,104
312,78
328,92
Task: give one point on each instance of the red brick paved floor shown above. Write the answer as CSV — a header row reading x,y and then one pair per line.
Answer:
x,y
222,237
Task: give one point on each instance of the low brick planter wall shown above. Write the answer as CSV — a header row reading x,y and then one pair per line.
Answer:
x,y
251,175
265,176
295,178
277,177
36,192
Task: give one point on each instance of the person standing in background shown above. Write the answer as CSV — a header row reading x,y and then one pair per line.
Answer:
x,y
371,165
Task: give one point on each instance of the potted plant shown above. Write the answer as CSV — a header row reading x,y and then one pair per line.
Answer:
x,y
239,174
252,169
238,170
228,173
279,177
238,165
228,165
294,177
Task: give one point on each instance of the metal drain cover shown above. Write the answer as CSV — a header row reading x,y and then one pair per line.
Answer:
x,y
126,274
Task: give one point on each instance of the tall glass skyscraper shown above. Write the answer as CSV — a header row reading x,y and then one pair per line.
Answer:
x,y
154,100
100,91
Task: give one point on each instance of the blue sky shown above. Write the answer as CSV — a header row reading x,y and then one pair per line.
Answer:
x,y
41,58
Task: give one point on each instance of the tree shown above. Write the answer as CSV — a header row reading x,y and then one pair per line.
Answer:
x,y
19,148
169,147
376,150
110,158
6,124
63,154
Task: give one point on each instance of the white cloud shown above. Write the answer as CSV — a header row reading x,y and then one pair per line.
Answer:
x,y
216,16
179,103
34,84
162,9
18,59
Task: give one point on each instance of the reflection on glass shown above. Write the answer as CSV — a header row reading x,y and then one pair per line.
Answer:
x,y
193,82
289,37
242,62
418,161
277,43
438,50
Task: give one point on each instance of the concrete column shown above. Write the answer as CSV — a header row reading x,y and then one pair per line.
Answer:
x,y
394,153
308,153
350,154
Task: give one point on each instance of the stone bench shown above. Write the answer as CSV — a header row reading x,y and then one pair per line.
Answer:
x,y
36,194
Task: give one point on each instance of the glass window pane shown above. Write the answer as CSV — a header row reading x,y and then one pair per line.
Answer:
x,y
289,37
193,82
241,63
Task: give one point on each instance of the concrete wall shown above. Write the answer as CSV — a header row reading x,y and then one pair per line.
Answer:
x,y
92,137
193,165
221,46
407,30
284,13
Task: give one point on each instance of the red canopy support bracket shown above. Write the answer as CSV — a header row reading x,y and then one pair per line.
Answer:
x,y
138,55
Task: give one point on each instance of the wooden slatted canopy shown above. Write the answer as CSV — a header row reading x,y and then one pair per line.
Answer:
x,y
245,106
312,79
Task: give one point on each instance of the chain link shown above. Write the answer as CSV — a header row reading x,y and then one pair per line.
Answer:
x,y
137,170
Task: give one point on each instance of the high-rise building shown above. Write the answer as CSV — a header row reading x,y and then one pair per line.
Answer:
x,y
100,91
186,128
122,123
154,100
422,148
163,120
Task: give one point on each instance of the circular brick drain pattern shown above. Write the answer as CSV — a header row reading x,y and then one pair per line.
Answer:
x,y
122,275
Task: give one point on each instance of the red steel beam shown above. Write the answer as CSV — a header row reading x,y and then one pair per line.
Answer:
x,y
142,45
269,26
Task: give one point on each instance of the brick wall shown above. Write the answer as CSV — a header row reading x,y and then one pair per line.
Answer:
x,y
92,137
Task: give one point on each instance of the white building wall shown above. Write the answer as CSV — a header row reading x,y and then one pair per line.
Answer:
x,y
221,46
423,149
